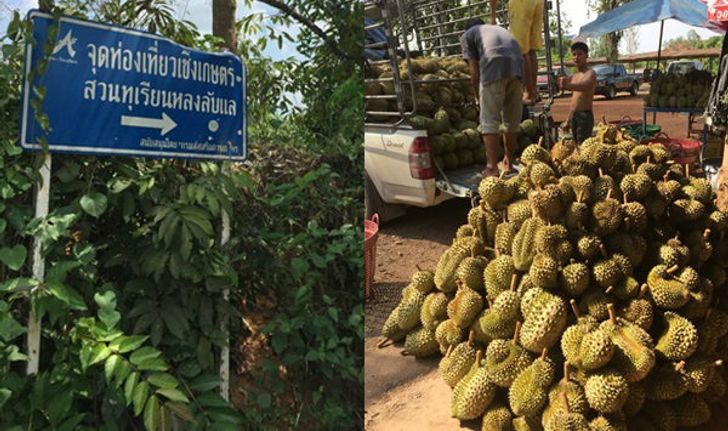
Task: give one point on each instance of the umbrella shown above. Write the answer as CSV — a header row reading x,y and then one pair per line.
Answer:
x,y
638,12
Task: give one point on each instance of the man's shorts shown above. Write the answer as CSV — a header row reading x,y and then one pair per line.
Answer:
x,y
582,124
526,23
501,100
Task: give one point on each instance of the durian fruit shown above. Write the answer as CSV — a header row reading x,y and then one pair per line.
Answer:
x,y
526,423
541,174
609,422
590,246
680,339
519,211
661,415
523,247
458,361
561,150
576,215
574,278
498,321
424,281
554,241
544,271
606,273
447,334
668,292
421,343
473,393
628,288
635,399
495,192
686,210
470,272
634,355
529,391
638,311
564,397
465,306
604,186
594,302
405,316
586,346
497,417
635,186
691,410
434,309
635,217
698,372
607,216
446,270
534,153
711,330
504,235
504,360
498,275
547,203
544,322
716,389
665,383
606,390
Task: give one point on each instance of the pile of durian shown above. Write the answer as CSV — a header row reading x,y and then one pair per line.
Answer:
x,y
445,107
585,293
691,90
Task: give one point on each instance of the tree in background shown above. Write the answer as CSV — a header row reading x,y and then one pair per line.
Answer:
x,y
611,40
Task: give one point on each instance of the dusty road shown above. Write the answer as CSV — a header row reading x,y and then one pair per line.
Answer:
x,y
404,393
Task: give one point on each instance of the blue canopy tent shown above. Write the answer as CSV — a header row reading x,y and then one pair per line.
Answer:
x,y
638,12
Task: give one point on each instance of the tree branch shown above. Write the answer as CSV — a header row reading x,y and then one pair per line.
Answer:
x,y
309,24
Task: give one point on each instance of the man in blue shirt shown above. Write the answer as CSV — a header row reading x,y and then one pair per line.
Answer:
x,y
496,73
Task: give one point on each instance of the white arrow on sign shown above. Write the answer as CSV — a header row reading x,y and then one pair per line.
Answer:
x,y
165,123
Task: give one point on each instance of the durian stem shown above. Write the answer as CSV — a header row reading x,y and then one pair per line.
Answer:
x,y
449,350
567,371
604,120
566,402
404,353
544,352
680,366
540,141
603,250
517,332
612,316
478,357
500,177
609,289
718,363
383,342
687,170
471,337
609,193
626,200
673,269
579,196
514,278
490,301
601,172
575,308
643,290
418,267
706,234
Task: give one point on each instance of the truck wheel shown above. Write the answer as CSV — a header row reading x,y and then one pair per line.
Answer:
x,y
635,88
611,92
373,203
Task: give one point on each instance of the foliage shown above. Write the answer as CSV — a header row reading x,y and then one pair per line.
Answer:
x,y
134,301
610,41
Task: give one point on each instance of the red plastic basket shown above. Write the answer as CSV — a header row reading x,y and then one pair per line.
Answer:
x,y
625,121
371,233
683,151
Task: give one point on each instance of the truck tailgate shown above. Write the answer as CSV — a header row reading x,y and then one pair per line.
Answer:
x,y
461,182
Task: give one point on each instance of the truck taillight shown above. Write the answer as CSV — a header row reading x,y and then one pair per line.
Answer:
x,y
420,160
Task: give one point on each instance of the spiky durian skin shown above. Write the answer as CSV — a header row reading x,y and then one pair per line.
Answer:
x,y
588,246
472,394
576,216
434,309
607,216
634,353
594,303
547,204
716,389
465,307
543,327
664,384
406,316
526,423
541,174
698,374
497,417
606,273
680,340
391,328
498,274
596,350
456,365
606,391
534,153
608,423
691,410
529,391
568,422
504,361
470,272
635,186
447,334
504,234
424,281
638,311
667,292
522,246
464,231
544,271
421,343
635,399
519,211
446,269
574,278
626,289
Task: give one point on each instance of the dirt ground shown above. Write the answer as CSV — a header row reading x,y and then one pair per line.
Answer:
x,y
404,393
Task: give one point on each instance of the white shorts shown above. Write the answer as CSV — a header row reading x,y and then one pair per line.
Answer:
x,y
501,100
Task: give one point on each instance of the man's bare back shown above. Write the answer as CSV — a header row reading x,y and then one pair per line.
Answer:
x,y
581,100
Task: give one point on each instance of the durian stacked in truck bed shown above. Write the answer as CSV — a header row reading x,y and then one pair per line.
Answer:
x,y
445,107
587,293
691,90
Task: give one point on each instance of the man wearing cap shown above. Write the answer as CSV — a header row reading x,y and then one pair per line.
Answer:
x,y
581,117
496,70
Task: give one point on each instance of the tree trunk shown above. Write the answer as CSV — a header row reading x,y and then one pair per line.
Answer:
x,y
223,22
612,45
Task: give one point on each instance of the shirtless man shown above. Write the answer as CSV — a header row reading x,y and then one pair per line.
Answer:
x,y
581,118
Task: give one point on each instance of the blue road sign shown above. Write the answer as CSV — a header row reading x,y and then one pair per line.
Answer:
x,y
116,91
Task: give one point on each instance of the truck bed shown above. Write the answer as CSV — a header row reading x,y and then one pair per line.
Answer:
x,y
463,182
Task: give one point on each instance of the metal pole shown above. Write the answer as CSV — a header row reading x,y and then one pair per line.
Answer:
x,y
225,352
42,198
561,42
659,47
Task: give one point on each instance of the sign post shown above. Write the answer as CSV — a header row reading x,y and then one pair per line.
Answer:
x,y
115,91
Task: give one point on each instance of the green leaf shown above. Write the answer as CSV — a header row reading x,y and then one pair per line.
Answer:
x,y
122,371
163,380
165,422
140,397
71,424
174,318
264,400
13,257
211,399
152,414
174,394
94,204
109,317
4,395
144,353
110,367
180,410
130,386
99,353
106,299
67,295
9,327
205,382
153,364
3,224
128,343
279,342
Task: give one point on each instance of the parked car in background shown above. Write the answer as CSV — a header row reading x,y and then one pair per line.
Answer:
x,y
613,78
542,81
683,67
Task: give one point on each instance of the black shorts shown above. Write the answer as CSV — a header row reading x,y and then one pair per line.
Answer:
x,y
582,123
